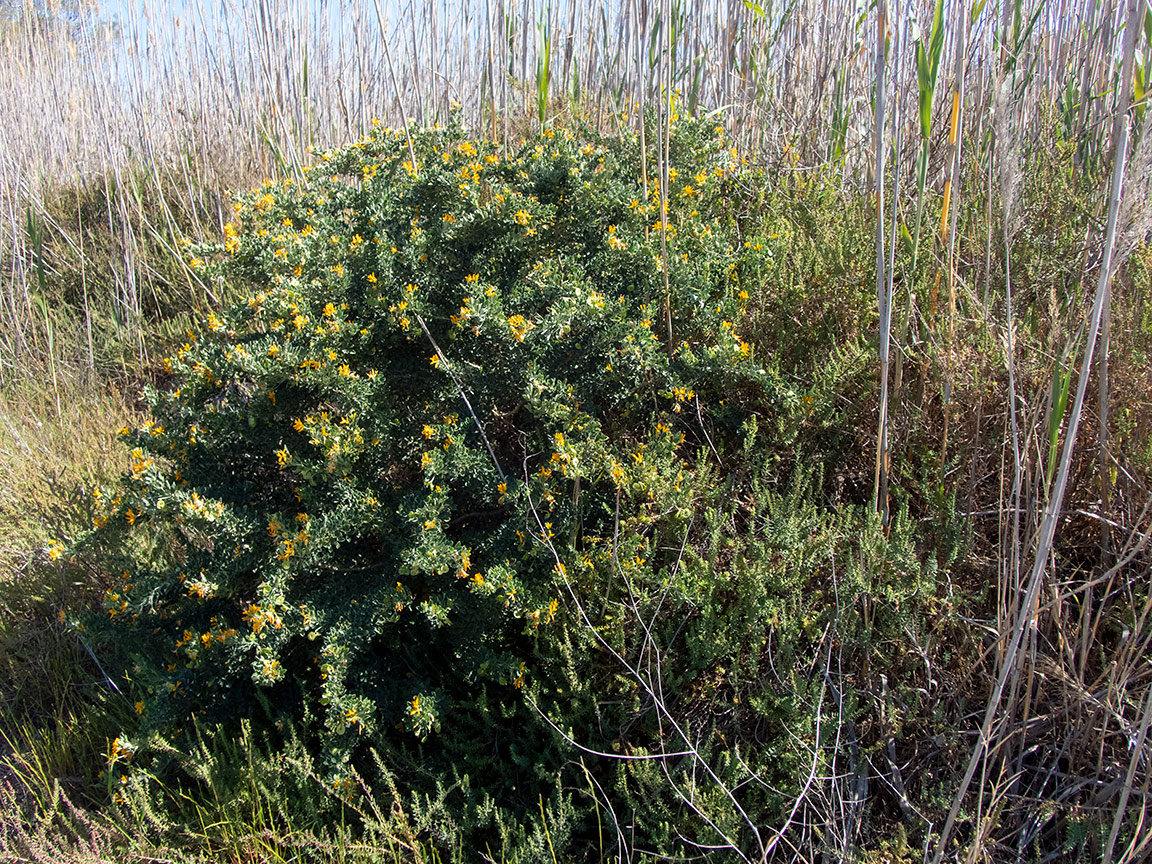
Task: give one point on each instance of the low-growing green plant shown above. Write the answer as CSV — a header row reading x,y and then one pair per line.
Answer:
x,y
442,489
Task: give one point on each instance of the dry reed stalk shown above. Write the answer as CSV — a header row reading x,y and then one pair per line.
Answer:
x,y
883,296
1119,129
1020,627
638,31
950,212
664,149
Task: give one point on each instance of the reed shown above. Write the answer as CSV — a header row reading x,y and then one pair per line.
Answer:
x,y
150,98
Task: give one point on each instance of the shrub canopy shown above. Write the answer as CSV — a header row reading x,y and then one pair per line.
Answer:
x,y
469,454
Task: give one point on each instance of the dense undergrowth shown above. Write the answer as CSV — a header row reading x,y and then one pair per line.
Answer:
x,y
475,524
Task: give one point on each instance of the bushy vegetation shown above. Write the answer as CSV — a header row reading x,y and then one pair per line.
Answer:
x,y
433,533
484,510
471,482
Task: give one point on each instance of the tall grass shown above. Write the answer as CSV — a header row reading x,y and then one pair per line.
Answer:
x,y
123,134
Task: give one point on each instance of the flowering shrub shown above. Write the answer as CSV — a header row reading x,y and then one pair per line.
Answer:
x,y
462,402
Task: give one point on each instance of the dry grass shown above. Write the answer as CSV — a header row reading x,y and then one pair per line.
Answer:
x,y
56,443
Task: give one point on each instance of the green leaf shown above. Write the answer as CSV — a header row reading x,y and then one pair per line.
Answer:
x,y
906,235
936,41
924,80
1056,416
928,68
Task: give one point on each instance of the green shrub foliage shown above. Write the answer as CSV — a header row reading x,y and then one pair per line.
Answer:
x,y
472,475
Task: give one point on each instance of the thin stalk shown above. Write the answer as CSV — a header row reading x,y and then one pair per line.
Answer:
x,y
1126,788
1119,130
640,84
948,229
880,492
665,147
396,87
1055,500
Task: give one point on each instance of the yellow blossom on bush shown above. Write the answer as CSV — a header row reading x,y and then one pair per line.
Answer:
x,y
520,327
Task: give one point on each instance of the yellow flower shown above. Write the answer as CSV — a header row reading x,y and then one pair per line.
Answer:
x,y
257,617
520,326
522,217
120,749
434,360
200,588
